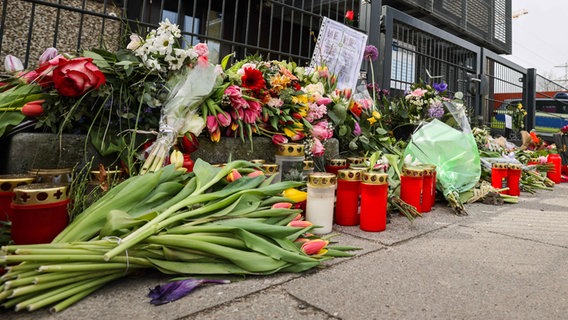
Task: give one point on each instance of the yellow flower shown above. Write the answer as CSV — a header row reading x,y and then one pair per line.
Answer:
x,y
520,106
300,99
376,115
303,111
372,120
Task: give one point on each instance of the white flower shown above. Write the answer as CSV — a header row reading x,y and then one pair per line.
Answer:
x,y
135,42
153,64
13,64
164,44
194,123
241,71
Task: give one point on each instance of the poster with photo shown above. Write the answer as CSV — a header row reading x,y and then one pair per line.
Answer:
x,y
341,49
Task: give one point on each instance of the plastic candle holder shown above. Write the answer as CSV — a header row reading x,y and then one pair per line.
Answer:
x,y
321,200
374,195
347,197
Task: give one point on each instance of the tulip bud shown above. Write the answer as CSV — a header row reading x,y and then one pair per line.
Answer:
x,y
189,142
255,173
33,108
233,175
224,119
282,205
47,55
300,224
314,246
278,139
13,64
176,158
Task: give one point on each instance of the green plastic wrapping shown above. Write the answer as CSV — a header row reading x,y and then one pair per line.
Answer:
x,y
454,153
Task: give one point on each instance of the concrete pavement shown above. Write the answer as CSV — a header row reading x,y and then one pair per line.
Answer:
x,y
499,262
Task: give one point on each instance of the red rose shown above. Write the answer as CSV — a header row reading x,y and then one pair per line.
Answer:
x,y
74,77
349,15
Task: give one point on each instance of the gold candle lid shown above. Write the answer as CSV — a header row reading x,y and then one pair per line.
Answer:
x,y
349,174
40,193
515,166
308,165
10,181
500,165
338,162
376,178
258,161
354,160
429,169
290,149
321,179
61,175
412,171
269,168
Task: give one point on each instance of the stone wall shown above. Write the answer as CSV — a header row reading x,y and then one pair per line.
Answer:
x,y
60,28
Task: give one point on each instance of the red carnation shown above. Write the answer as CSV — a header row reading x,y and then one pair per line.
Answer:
x,y
253,79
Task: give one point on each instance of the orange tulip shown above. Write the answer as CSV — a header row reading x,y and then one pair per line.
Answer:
x,y
233,175
299,224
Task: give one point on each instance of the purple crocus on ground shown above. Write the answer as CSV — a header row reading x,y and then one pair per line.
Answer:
x,y
177,289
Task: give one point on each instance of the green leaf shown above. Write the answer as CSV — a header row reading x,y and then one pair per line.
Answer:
x,y
118,220
10,118
343,130
175,267
98,60
381,131
225,61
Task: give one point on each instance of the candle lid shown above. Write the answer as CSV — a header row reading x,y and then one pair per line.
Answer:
x,y
412,171
500,165
258,161
349,175
429,169
321,179
290,149
354,160
376,178
10,181
515,166
269,168
338,162
308,165
40,193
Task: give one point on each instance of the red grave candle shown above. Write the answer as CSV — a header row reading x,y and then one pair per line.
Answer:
x,y
374,195
7,184
39,212
334,165
556,173
411,185
514,178
428,187
499,172
347,197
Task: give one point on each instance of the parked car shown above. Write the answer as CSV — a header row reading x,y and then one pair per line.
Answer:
x,y
551,115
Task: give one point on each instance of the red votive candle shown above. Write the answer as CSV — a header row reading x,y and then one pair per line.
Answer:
x,y
39,212
7,184
428,187
334,165
411,186
514,178
556,173
499,173
347,197
374,195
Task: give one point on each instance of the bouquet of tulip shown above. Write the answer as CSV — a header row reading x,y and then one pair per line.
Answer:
x,y
229,220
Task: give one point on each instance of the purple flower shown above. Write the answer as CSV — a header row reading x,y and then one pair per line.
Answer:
x,y
436,110
176,290
357,129
440,87
371,53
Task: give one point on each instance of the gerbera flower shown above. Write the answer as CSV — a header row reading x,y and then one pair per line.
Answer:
x,y
253,79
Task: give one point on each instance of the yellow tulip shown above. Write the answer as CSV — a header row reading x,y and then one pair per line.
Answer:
x,y
295,194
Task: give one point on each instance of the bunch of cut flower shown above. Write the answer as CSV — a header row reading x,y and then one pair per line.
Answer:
x,y
276,99
229,220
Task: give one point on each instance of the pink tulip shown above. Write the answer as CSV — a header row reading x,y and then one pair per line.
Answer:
x,y
224,119
47,55
300,224
255,173
13,64
324,101
298,136
278,139
314,246
212,124
282,205
233,92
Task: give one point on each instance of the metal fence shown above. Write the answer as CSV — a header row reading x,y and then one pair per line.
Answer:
x,y
413,50
276,29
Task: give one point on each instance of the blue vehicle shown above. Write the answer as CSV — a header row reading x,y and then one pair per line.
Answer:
x,y
551,115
